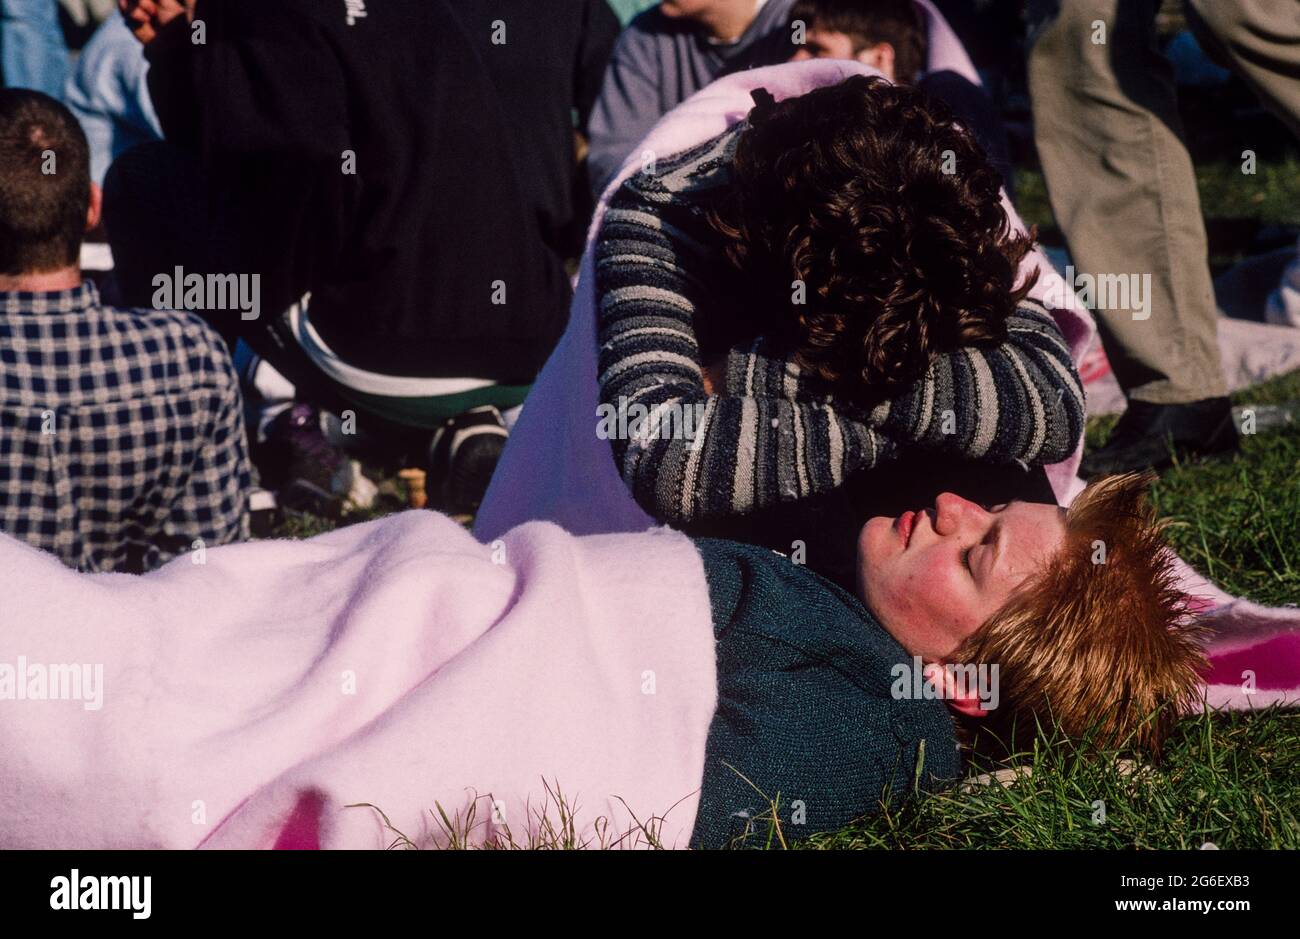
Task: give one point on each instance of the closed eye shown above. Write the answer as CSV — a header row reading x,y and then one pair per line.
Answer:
x,y
989,539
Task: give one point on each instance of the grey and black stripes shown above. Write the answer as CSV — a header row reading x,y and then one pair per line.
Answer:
x,y
1019,401
767,437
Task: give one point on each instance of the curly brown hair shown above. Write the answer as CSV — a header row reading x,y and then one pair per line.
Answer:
x,y
882,220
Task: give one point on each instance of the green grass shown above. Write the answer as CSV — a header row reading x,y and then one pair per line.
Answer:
x,y
1232,780
1238,520
1271,196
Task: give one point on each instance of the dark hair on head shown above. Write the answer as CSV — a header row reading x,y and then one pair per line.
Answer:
x,y
44,183
889,217
870,22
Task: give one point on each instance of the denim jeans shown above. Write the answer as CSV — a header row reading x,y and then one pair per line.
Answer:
x,y
32,51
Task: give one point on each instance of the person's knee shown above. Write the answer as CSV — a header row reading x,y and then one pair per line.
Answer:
x,y
1101,49
1067,36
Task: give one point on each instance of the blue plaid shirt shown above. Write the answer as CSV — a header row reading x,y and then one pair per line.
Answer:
x,y
121,432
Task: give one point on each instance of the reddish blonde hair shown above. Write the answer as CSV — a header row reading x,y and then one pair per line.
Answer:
x,y
1100,640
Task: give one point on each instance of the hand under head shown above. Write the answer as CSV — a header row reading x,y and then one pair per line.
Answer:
x,y
932,577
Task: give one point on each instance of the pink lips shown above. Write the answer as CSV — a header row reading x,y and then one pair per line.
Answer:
x,y
905,523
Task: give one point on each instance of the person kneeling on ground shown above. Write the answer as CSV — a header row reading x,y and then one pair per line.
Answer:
x,y
123,432
670,690
366,175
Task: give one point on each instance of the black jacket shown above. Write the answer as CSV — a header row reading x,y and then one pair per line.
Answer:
x,y
547,59
408,257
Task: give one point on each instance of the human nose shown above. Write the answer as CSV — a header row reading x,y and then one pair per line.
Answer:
x,y
952,512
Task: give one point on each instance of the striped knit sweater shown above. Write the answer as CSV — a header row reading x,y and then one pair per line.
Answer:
x,y
690,456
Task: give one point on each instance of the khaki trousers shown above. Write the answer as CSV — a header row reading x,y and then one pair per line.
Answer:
x,y
1121,181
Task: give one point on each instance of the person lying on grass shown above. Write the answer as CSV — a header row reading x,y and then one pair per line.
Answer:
x,y
1104,650
831,285
675,691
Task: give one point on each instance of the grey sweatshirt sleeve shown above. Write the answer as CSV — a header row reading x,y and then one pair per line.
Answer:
x,y
628,107
600,34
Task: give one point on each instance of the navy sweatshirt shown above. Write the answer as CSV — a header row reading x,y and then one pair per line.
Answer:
x,y
805,710
547,61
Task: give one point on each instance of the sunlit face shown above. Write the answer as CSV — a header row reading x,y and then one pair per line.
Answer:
x,y
934,576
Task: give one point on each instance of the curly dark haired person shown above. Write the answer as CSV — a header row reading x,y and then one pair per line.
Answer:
x,y
828,285
911,258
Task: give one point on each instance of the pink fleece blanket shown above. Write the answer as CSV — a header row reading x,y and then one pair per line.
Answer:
x,y
246,701
556,468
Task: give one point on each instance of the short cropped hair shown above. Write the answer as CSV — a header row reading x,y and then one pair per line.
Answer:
x,y
1101,640
44,183
889,218
870,22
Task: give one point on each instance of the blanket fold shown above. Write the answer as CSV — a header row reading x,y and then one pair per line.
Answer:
x,y
247,700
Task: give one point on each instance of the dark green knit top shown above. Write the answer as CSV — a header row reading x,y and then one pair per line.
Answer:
x,y
804,705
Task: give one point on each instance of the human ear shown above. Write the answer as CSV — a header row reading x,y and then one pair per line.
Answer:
x,y
881,57
962,700
94,206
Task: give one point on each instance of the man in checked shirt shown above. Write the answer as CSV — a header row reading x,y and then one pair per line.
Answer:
x,y
121,431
